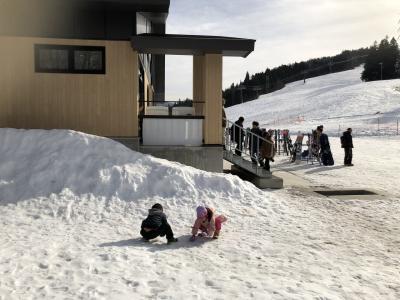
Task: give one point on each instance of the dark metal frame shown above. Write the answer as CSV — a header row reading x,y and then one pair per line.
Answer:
x,y
171,117
71,59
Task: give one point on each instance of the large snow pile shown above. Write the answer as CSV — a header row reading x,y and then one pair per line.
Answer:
x,y
38,163
338,100
71,205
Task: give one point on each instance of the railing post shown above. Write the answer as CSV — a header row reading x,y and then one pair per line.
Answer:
x,y
257,150
234,133
378,125
240,146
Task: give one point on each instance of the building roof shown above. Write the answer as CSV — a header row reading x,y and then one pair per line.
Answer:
x,y
155,6
80,19
174,44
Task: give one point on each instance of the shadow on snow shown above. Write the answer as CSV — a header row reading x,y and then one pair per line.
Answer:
x,y
160,243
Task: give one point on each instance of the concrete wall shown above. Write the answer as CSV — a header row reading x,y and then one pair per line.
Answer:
x,y
207,158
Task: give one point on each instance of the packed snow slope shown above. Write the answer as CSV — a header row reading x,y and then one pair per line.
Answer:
x,y
339,99
71,206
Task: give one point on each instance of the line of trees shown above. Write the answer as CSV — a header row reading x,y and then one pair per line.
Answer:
x,y
276,78
383,61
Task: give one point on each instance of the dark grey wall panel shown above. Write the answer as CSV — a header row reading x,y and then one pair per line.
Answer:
x,y
120,24
84,19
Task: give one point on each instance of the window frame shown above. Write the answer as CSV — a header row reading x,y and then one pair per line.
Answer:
x,y
71,58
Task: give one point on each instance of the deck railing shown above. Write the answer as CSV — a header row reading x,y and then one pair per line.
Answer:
x,y
240,144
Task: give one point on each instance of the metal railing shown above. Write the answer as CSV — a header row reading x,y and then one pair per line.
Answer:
x,y
362,124
241,141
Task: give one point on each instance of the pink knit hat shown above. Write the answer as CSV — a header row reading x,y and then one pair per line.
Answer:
x,y
201,211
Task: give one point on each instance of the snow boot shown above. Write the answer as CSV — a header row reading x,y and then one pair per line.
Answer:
x,y
173,240
216,234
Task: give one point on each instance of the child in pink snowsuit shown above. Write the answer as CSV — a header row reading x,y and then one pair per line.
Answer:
x,y
207,222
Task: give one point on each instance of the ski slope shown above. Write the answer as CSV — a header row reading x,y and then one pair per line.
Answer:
x,y
337,101
71,206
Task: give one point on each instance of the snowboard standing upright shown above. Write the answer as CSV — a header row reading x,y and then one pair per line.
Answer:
x,y
327,158
326,153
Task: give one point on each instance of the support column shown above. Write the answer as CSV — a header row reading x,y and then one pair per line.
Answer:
x,y
212,92
135,83
198,84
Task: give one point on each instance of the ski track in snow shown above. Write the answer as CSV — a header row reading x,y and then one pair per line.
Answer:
x,y
71,206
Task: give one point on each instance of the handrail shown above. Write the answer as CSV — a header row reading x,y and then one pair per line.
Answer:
x,y
232,146
170,101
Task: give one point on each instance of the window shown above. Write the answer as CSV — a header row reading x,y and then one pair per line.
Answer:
x,y
69,59
53,59
88,60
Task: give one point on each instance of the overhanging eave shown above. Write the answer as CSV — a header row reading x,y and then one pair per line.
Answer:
x,y
192,45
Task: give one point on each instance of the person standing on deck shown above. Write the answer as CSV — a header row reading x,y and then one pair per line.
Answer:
x,y
237,135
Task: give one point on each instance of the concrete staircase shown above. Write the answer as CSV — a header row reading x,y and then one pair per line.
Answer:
x,y
253,173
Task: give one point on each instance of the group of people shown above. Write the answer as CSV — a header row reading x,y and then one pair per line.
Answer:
x,y
207,224
346,141
262,150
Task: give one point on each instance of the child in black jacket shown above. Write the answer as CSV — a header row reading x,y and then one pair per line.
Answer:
x,y
156,224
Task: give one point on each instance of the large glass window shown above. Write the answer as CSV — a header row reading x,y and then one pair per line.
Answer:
x,y
69,59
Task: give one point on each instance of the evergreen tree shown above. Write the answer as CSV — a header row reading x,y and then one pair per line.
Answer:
x,y
394,46
274,79
247,78
371,66
382,61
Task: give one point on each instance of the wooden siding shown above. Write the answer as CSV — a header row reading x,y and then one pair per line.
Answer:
x,y
198,82
97,104
212,79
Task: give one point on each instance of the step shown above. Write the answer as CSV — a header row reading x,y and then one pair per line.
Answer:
x,y
246,165
257,175
270,182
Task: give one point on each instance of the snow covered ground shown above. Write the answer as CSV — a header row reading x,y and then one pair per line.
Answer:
x,y
71,205
376,161
338,101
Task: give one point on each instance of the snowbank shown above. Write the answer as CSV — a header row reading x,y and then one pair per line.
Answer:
x,y
37,163
72,204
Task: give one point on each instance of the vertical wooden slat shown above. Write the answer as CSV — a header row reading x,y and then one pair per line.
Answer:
x,y
212,79
97,104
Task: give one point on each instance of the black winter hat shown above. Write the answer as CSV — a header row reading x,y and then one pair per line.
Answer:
x,y
157,206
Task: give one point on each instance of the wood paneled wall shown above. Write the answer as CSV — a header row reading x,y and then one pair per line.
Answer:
x,y
198,84
212,84
98,104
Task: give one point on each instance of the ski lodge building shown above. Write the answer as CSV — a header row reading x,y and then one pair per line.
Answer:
x,y
98,66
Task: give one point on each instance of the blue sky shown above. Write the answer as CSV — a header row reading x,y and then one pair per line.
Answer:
x,y
286,31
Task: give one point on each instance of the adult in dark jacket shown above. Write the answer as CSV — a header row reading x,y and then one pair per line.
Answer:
x,y
326,154
237,135
323,139
156,224
347,144
255,142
